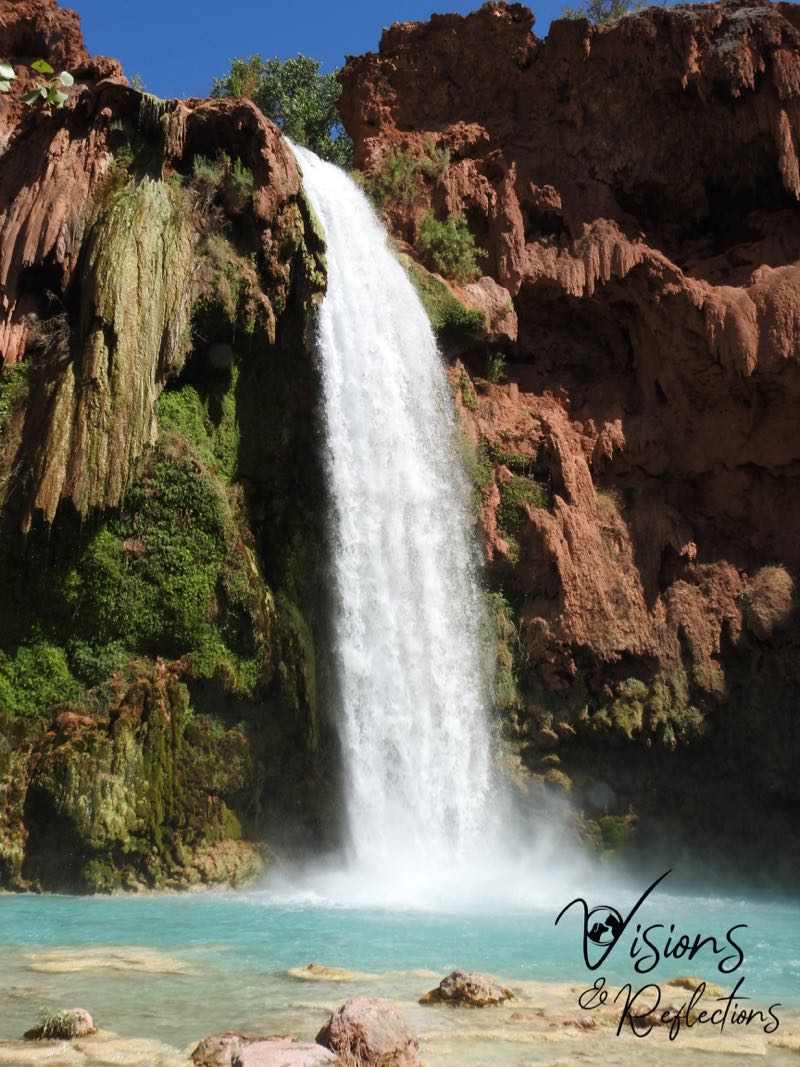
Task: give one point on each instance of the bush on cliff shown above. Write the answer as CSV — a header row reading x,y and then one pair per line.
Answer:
x,y
600,11
297,96
451,247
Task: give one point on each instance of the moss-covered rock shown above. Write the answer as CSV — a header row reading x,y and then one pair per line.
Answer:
x,y
451,319
137,294
135,793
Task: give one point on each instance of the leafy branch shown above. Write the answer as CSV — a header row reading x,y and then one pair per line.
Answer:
x,y
50,91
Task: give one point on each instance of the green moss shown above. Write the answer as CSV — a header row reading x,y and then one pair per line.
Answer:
x,y
468,394
34,678
617,831
450,319
507,650
136,286
207,418
13,390
558,780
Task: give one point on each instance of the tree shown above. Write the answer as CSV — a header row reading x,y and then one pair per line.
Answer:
x,y
602,10
297,96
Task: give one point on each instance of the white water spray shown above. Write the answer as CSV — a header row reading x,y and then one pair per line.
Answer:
x,y
408,618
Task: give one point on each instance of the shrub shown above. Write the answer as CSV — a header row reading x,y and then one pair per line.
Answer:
x,y
600,11
434,161
451,247
396,182
239,186
495,367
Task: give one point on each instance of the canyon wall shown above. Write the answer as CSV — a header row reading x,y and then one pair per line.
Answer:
x,y
159,545
634,189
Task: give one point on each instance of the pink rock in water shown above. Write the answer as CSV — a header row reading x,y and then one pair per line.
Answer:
x,y
373,1032
240,1050
282,1052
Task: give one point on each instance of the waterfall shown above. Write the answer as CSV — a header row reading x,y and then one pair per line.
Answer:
x,y
409,633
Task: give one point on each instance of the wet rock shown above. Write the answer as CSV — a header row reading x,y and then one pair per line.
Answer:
x,y
282,1052
372,1032
467,989
218,1050
63,1026
231,1049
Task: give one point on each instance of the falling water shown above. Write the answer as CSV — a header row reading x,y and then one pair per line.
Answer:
x,y
408,617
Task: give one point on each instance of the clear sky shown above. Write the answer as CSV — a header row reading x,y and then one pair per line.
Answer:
x,y
177,48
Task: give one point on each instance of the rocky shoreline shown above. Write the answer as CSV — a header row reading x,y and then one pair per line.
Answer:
x,y
468,1016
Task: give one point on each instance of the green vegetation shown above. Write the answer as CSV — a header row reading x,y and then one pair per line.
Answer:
x,y
600,11
507,649
398,180
515,495
468,394
7,75
518,462
450,319
297,96
495,367
50,91
13,387
229,179
451,247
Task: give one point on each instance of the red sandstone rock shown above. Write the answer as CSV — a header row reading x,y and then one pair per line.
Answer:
x,y
635,187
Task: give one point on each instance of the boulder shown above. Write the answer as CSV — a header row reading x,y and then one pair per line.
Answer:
x,y
63,1026
467,989
231,1049
372,1032
282,1052
217,1050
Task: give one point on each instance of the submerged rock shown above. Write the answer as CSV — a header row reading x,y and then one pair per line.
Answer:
x,y
467,989
63,1025
318,972
372,1032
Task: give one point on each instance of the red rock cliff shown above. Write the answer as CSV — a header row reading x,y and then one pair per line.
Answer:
x,y
635,189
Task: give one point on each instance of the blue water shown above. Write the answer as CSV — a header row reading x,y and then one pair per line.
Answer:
x,y
249,932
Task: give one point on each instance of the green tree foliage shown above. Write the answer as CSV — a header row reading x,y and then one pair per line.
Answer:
x,y
297,96
602,10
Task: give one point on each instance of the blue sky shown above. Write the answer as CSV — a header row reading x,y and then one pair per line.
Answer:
x,y
177,48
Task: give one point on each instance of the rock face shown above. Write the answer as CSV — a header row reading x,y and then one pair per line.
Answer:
x,y
635,189
467,989
159,516
372,1033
